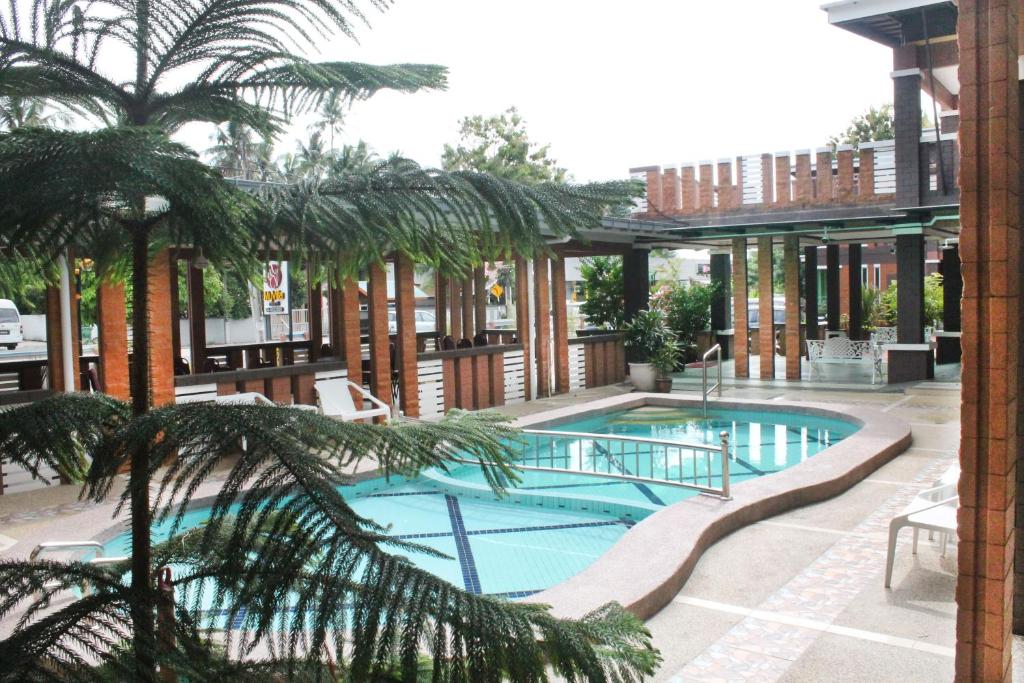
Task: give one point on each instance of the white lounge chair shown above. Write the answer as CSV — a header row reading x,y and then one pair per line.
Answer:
x,y
335,399
933,509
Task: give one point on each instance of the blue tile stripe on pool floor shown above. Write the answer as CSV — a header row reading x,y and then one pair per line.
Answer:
x,y
509,530
466,563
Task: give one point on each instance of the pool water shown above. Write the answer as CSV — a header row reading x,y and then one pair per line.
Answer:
x,y
553,525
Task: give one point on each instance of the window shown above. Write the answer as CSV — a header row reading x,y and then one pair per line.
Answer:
x,y
863,274
878,276
8,315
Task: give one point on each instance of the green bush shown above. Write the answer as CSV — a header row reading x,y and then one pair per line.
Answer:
x,y
646,334
605,291
932,301
687,310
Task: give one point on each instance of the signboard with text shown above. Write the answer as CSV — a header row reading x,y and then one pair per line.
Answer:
x,y
275,288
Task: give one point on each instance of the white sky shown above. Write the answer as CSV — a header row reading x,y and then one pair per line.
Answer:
x,y
612,85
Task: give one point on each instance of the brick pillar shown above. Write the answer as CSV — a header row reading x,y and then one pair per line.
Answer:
x,y
811,291
163,271
636,276
783,182
441,304
853,268
315,315
706,186
380,354
542,293
560,324
720,295
113,330
54,359
866,175
791,273
990,250
196,318
455,307
350,332
741,326
844,174
670,191
804,190
480,298
654,189
910,320
688,188
405,309
907,132
823,175
766,329
468,309
832,286
726,194
523,319
767,179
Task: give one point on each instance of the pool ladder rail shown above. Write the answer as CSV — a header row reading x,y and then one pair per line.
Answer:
x,y
56,546
705,389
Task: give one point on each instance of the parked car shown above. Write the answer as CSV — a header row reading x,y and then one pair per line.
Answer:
x,y
425,321
11,329
778,311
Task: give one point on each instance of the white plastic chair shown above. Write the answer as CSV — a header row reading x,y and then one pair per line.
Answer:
x,y
335,400
933,509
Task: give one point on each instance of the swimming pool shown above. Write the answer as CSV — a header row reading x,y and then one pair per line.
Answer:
x,y
552,526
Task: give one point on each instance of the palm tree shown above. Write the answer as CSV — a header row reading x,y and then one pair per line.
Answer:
x,y
237,153
331,115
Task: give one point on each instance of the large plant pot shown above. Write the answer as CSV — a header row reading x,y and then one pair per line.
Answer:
x,y
663,385
642,375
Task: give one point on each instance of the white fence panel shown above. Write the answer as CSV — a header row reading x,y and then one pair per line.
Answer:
x,y
18,479
431,386
515,373
577,366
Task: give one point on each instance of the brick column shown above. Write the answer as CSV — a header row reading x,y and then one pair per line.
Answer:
x,y
783,182
380,354
706,186
766,329
542,294
455,307
670,198
441,305
741,327
907,133
832,286
468,309
791,272
844,174
113,330
480,298
853,268
405,309
350,332
636,276
823,175
163,271
196,318
523,319
811,291
990,249
560,324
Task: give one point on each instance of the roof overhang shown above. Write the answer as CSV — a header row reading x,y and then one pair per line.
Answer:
x,y
894,23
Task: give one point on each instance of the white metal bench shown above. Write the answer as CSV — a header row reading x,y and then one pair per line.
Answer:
x,y
842,350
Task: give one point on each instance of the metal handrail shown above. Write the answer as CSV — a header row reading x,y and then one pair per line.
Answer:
x,y
716,349
64,545
613,454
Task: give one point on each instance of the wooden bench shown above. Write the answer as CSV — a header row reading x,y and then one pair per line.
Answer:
x,y
845,351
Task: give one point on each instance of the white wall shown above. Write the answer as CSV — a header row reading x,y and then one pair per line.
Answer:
x,y
34,327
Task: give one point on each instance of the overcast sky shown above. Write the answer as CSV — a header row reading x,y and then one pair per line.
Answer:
x,y
612,85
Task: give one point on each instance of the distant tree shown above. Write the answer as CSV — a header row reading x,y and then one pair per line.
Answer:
x,y
330,116
239,152
500,145
605,291
877,123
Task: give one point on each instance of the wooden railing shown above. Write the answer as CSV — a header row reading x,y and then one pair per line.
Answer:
x,y
596,361
470,379
286,385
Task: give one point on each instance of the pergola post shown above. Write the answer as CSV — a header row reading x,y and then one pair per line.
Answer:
x,y
455,293
468,310
523,320
480,298
560,323
380,340
350,331
741,325
909,365
440,306
175,311
766,307
334,316
55,342
405,357
990,420
163,271
791,272
720,268
811,291
542,304
854,262
948,347
636,275
113,329
315,316
832,287
196,317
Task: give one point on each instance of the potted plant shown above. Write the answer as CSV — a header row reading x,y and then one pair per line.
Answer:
x,y
645,335
665,361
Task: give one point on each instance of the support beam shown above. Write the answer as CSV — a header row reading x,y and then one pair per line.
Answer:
x,y
811,291
162,323
173,274
948,348
523,320
910,289
832,286
315,315
440,305
766,309
720,268
351,344
542,340
113,330
468,310
196,318
791,272
380,353
990,249
334,316
560,324
480,298
405,313
741,348
907,133
853,274
455,306
636,277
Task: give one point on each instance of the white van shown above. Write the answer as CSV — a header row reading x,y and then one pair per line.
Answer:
x,y
10,324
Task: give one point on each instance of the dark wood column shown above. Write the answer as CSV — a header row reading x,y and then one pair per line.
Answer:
x,y
636,277
315,316
907,133
196,317
832,286
480,298
853,274
948,348
455,296
720,268
523,327
175,310
560,324
441,305
766,309
910,289
741,325
990,249
542,305
405,358
791,271
468,309
380,354
811,291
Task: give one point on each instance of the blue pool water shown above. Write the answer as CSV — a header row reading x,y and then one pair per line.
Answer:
x,y
553,525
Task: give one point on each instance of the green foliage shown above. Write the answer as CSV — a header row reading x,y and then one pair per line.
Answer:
x,y
667,358
646,334
933,301
687,310
871,307
877,123
500,145
604,289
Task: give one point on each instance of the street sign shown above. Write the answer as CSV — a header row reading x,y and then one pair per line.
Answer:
x,y
275,288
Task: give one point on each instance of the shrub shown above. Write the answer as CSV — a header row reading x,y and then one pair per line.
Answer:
x,y
605,291
687,310
646,334
933,303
